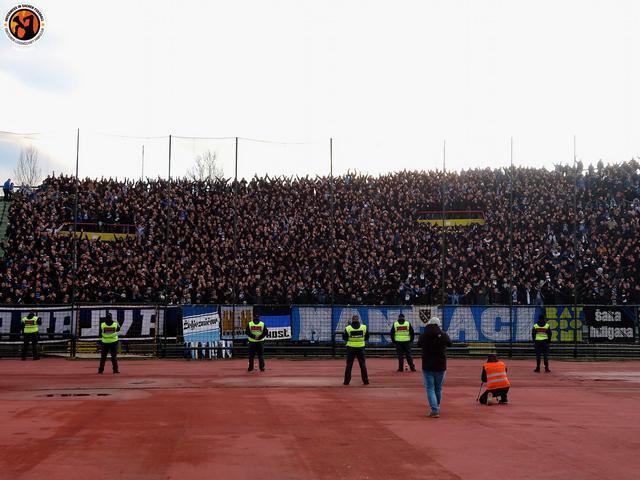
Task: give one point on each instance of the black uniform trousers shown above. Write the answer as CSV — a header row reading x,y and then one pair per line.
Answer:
x,y
109,348
30,338
542,350
256,348
403,350
497,392
352,353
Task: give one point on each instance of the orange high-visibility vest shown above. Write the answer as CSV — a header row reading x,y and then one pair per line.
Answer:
x,y
496,375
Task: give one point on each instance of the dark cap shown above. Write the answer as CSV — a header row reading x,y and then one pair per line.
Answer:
x,y
492,358
401,316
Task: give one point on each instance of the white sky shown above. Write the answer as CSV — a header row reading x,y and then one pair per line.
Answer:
x,y
388,80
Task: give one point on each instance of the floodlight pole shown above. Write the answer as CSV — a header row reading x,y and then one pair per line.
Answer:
x,y
142,173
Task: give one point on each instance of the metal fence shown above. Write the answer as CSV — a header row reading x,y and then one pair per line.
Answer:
x,y
218,331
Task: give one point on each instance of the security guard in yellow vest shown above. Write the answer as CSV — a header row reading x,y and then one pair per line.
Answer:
x,y
402,335
109,335
541,335
356,335
30,329
256,333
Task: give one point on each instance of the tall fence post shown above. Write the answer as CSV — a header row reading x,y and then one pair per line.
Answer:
x,y
636,333
443,236
575,251
168,230
511,285
333,248
235,243
74,267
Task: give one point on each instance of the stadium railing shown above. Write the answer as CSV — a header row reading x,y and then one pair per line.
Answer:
x,y
157,330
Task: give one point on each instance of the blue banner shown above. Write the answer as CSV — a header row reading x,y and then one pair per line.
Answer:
x,y
462,323
279,326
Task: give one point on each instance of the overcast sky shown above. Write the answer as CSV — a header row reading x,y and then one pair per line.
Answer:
x,y
388,80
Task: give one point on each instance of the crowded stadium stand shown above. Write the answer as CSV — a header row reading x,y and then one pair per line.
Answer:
x,y
180,246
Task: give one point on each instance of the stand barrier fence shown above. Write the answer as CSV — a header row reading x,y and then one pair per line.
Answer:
x,y
218,331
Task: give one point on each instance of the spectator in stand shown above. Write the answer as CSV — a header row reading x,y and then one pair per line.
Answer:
x,y
7,189
284,234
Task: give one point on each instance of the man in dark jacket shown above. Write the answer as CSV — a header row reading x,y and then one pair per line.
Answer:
x,y
434,342
256,332
355,335
30,327
541,335
402,335
109,338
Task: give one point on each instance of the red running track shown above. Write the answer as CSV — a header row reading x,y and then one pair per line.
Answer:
x,y
164,419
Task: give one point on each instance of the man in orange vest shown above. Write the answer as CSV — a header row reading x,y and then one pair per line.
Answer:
x,y
494,376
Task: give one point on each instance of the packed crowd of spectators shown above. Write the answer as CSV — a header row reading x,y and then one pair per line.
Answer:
x,y
272,239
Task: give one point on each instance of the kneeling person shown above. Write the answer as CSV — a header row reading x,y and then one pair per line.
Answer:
x,y
494,375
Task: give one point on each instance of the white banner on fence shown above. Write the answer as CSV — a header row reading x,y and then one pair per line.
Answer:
x,y
204,323
279,333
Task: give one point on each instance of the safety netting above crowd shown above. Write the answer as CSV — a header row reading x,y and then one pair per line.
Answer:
x,y
272,240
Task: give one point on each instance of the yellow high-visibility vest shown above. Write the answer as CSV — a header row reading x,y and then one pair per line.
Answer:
x,y
30,324
256,330
355,336
541,332
402,331
109,332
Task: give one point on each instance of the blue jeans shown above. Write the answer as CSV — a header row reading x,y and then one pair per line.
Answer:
x,y
433,385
